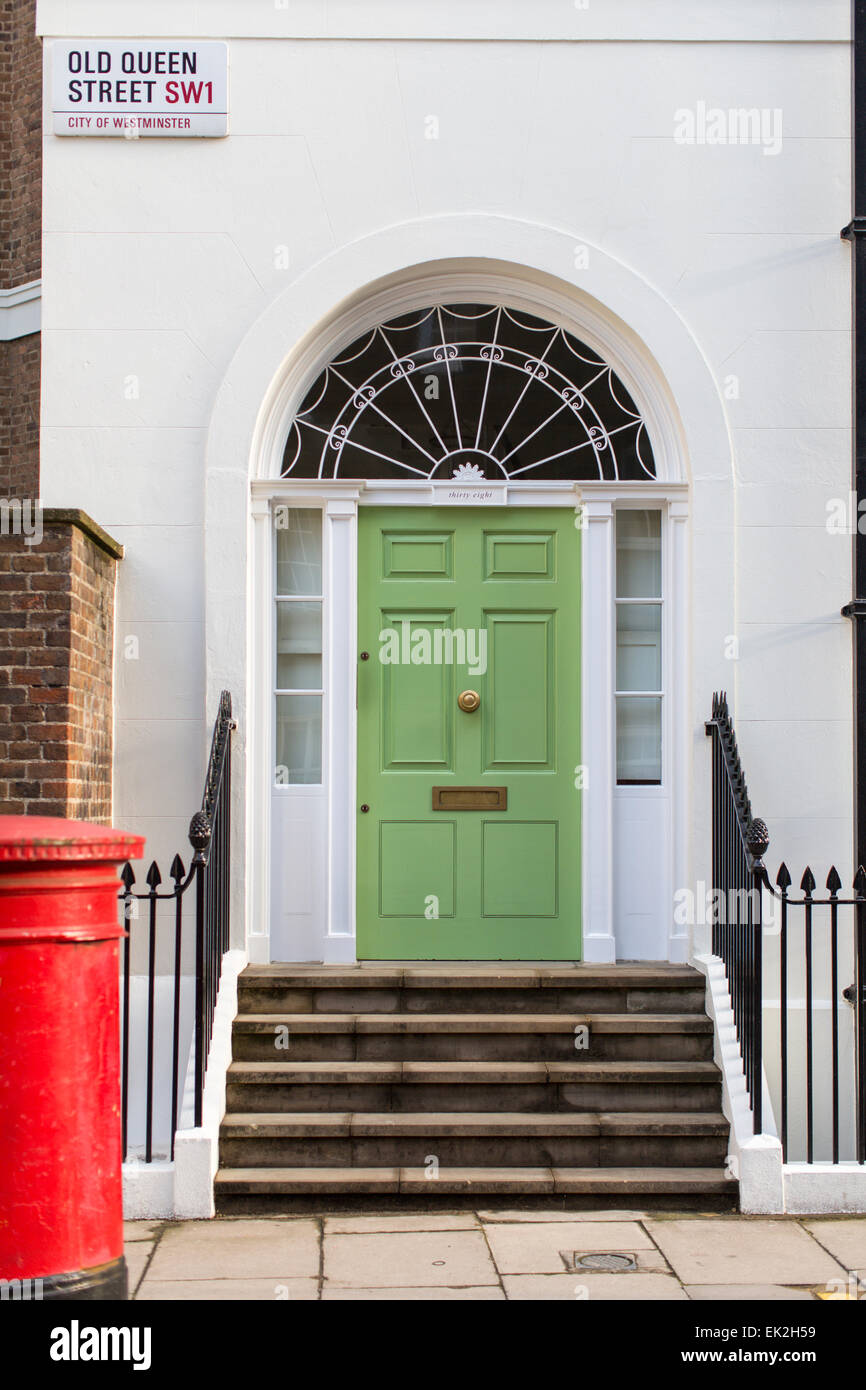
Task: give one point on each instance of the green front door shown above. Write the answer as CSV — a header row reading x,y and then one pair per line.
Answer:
x,y
453,602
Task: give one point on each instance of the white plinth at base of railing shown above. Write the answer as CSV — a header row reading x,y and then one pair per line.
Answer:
x,y
148,1189
755,1160
816,1189
184,1189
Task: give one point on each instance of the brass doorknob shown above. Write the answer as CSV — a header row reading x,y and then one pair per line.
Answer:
x,y
469,700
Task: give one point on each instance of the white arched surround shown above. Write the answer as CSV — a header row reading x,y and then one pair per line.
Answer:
x,y
638,332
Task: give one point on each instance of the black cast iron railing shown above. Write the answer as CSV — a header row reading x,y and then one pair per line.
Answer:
x,y
738,843
740,937
823,936
210,871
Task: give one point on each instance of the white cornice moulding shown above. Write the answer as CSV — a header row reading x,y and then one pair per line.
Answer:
x,y
739,21
20,311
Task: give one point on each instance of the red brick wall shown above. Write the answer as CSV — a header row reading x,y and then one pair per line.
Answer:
x,y
20,240
19,417
57,595
91,658
56,656
21,157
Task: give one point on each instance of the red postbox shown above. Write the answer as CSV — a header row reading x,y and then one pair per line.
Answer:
x,y
61,1211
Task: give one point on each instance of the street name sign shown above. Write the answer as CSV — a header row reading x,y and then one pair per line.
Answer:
x,y
133,89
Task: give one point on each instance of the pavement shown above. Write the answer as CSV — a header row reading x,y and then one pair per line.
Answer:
x,y
468,1254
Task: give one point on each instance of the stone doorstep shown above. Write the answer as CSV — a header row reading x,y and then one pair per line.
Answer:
x,y
615,1181
473,975
472,1023
498,998
486,1073
319,1124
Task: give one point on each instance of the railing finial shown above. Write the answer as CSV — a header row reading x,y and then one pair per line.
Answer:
x,y
200,831
757,838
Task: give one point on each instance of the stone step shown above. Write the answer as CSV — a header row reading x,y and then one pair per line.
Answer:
x,y
471,1037
472,1140
491,988
560,1085
240,1190
449,973
585,1085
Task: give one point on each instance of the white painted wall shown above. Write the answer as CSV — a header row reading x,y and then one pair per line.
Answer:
x,y
169,326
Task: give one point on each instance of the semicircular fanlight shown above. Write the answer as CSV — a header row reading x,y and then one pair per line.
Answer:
x,y
469,391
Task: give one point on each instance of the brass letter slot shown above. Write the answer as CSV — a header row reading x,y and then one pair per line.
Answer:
x,y
470,798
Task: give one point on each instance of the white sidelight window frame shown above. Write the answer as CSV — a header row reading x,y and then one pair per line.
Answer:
x,y
288,601
650,820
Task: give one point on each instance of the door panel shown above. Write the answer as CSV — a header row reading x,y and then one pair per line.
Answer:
x,y
518,716
520,869
453,601
403,845
418,700
527,556
417,556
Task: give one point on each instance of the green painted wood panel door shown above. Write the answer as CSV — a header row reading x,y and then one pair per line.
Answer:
x,y
484,600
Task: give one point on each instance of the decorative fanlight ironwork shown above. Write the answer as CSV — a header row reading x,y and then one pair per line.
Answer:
x,y
478,392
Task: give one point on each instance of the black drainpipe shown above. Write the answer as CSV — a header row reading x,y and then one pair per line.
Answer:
x,y
855,232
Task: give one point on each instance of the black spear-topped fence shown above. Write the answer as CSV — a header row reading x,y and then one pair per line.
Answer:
x,y
832,1051
821,1024
210,871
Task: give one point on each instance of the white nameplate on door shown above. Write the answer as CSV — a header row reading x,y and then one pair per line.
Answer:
x,y
456,494
135,88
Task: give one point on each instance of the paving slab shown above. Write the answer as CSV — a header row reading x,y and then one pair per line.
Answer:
x,y
363,1225
233,1290
407,1259
620,1288
274,1250
529,1216
140,1230
746,1293
845,1239
745,1251
480,1292
535,1248
137,1255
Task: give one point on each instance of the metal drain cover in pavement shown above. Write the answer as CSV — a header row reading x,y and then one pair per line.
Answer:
x,y
610,1264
